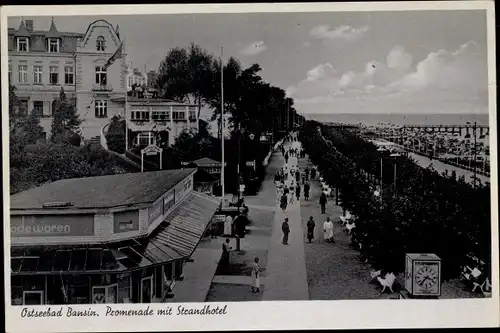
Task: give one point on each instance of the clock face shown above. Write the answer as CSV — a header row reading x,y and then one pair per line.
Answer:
x,y
427,278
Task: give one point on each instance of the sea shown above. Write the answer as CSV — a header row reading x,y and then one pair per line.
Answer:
x,y
401,119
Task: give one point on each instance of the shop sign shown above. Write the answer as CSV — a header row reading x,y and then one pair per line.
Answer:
x,y
51,225
218,218
126,221
152,150
155,211
168,202
184,188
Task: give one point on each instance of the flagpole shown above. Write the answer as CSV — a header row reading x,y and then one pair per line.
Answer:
x,y
222,122
126,99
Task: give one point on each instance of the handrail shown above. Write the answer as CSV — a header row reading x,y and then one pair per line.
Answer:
x,y
104,142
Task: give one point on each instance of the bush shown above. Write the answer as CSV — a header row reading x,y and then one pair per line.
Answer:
x,y
429,212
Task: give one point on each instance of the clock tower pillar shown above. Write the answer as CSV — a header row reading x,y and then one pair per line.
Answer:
x,y
422,276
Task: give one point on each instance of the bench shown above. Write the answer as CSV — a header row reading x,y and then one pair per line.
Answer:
x,y
387,281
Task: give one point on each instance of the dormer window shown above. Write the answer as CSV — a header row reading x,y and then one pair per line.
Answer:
x,y
22,44
53,45
101,44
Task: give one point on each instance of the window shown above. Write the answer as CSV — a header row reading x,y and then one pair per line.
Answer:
x,y
54,75
178,115
37,74
53,45
140,115
100,75
69,75
23,107
38,107
161,115
130,81
23,73
101,109
105,294
192,115
10,73
22,44
101,43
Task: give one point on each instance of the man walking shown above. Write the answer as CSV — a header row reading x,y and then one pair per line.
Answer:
x,y
297,191
313,173
310,229
322,202
285,227
307,187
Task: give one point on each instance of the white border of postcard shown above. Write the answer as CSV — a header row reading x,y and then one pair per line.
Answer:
x,y
269,315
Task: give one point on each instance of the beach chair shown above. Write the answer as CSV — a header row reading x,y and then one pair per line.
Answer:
x,y
387,281
349,226
346,218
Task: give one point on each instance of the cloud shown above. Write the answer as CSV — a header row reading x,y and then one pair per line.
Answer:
x,y
444,80
254,48
344,32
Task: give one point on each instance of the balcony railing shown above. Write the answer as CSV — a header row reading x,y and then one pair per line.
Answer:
x,y
192,119
102,87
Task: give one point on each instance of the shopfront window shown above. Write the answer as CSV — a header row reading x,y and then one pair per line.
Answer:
x,y
147,289
105,294
33,297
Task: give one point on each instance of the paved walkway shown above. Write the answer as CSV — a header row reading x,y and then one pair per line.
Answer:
x,y
197,275
286,270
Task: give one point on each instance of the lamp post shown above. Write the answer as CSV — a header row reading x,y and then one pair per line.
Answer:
x,y
395,156
381,150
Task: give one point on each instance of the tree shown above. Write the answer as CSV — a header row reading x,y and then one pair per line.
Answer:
x,y
186,75
31,126
115,136
13,101
66,123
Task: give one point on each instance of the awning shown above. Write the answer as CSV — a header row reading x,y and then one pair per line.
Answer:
x,y
176,238
187,223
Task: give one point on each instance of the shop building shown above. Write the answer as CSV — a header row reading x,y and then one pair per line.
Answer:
x,y
109,239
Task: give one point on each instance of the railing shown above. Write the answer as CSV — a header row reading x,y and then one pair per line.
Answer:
x,y
102,87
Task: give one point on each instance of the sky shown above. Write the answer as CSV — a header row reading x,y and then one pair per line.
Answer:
x,y
329,62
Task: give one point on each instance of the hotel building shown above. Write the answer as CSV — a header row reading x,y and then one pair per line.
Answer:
x,y
41,62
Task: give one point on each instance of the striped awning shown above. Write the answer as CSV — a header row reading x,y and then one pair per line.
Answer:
x,y
175,239
187,223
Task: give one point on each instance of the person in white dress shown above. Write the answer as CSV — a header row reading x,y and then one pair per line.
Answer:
x,y
328,230
228,225
255,276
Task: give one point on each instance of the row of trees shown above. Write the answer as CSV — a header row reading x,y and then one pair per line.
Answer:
x,y
251,106
425,213
33,164
193,75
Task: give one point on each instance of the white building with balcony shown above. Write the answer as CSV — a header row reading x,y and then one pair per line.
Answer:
x,y
43,61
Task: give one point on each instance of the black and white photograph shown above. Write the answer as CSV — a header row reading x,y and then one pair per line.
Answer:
x,y
235,158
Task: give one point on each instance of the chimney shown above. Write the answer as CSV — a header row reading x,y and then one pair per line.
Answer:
x,y
29,25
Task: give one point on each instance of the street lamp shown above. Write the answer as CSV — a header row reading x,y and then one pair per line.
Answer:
x,y
381,150
395,156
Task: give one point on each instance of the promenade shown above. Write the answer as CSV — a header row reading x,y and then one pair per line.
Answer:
x,y
286,267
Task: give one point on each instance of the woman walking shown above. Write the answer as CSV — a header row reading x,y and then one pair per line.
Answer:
x,y
328,230
255,276
310,229
284,202
297,192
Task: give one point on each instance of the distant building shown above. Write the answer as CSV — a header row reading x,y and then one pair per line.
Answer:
x,y
135,77
155,119
43,61
109,239
151,79
211,166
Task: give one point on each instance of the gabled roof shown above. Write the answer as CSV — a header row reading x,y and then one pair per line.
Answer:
x,y
22,31
102,191
206,161
53,33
